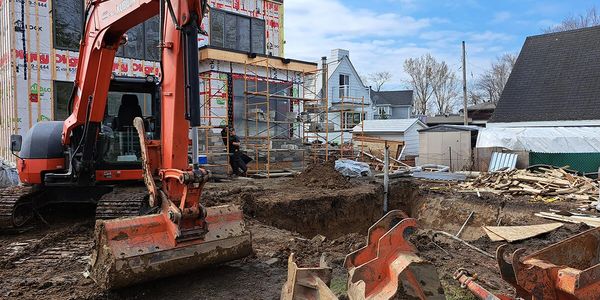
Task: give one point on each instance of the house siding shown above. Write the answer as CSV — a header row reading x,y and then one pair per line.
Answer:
x,y
411,140
356,87
400,112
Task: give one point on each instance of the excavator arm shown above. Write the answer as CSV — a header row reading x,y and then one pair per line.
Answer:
x,y
184,235
106,23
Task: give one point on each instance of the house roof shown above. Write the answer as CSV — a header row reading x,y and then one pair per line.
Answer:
x,y
394,98
555,78
482,106
451,119
395,125
338,63
449,128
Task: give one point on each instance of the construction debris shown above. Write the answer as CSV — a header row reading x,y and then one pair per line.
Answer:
x,y
440,176
549,185
589,220
518,233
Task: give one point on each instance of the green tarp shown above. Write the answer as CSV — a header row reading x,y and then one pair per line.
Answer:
x,y
582,162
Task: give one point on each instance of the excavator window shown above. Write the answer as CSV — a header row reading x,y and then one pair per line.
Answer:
x,y
119,141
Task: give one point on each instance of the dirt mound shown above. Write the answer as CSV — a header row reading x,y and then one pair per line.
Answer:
x,y
322,175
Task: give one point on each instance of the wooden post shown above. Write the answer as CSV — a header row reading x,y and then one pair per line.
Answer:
x,y
464,69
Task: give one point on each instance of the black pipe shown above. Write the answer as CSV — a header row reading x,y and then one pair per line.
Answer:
x,y
192,79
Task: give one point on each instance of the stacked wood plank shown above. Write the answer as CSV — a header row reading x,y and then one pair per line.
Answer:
x,y
547,185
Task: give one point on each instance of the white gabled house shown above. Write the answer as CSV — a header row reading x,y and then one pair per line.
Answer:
x,y
348,97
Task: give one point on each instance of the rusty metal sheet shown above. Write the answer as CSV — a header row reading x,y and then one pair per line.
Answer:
x,y
569,269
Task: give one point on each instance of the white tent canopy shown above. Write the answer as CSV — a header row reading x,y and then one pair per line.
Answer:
x,y
542,139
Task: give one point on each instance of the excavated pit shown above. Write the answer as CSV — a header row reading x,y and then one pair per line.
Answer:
x,y
331,213
353,209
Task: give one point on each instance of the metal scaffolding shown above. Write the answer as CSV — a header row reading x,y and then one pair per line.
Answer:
x,y
216,96
273,109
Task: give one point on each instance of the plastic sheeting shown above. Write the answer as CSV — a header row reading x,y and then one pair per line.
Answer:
x,y
8,175
542,139
350,168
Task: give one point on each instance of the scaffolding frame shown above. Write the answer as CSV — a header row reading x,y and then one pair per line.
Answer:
x,y
280,115
215,108
296,92
322,142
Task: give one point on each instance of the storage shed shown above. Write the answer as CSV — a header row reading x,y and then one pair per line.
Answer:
x,y
403,130
448,145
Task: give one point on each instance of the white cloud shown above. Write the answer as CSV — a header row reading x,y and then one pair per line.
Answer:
x,y
378,41
501,17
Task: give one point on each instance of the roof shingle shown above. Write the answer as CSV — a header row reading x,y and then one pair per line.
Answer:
x,y
398,98
555,78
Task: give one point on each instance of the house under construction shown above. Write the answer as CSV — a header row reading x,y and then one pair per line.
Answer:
x,y
273,102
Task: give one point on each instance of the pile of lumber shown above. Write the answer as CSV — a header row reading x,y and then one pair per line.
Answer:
x,y
547,185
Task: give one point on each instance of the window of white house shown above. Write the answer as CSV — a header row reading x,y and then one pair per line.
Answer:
x,y
237,32
383,111
352,119
344,86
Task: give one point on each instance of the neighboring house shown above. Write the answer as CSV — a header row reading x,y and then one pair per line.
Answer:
x,y
348,98
479,114
550,106
445,120
392,104
402,130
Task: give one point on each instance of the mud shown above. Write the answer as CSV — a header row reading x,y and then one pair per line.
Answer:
x,y
284,215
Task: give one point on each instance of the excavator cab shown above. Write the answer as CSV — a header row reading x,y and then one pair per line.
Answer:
x,y
119,144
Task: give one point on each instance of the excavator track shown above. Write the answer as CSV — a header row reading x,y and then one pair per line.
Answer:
x,y
16,206
122,202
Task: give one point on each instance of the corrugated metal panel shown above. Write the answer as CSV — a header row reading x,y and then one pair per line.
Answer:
x,y
503,161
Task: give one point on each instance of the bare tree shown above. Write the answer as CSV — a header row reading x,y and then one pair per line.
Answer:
x,y
378,79
444,88
491,83
434,85
420,71
588,19
474,96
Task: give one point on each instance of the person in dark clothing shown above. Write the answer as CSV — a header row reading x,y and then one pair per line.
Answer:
x,y
235,155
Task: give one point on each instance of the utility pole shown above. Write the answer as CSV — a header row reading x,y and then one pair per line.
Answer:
x,y
464,69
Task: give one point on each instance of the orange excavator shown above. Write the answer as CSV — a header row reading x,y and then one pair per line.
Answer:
x,y
68,158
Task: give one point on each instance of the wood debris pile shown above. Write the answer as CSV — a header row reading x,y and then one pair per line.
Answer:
x,y
546,185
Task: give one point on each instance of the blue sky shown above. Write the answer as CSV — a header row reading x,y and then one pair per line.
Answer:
x,y
381,34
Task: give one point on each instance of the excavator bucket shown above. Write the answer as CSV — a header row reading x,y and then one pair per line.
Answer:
x,y
569,269
386,268
310,283
134,250
389,267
